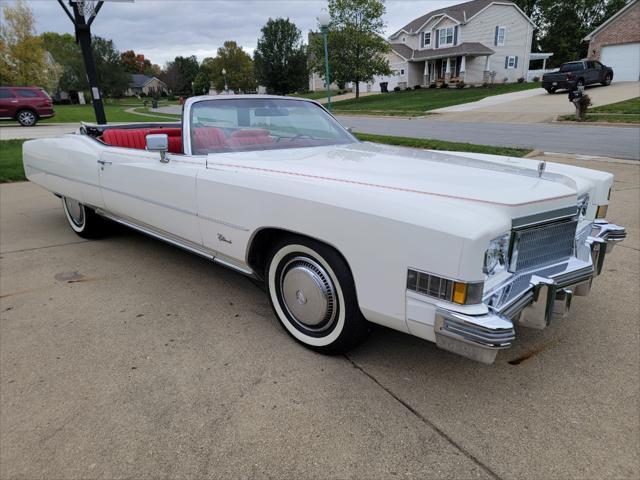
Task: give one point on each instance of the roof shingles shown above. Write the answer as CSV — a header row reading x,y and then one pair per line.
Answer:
x,y
460,12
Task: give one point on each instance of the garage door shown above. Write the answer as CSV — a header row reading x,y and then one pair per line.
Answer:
x,y
624,59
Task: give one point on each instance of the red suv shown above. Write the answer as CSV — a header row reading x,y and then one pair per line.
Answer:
x,y
25,104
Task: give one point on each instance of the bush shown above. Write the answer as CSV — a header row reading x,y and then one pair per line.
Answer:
x,y
505,79
417,87
396,89
521,80
536,79
407,89
460,85
432,85
444,85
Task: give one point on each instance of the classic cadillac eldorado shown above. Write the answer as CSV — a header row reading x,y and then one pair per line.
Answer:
x,y
455,248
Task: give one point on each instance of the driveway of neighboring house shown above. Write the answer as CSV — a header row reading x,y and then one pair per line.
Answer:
x,y
532,106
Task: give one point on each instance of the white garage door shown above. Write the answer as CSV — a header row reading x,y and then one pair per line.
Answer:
x,y
624,59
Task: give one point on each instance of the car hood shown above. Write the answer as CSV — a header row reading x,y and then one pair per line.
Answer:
x,y
501,181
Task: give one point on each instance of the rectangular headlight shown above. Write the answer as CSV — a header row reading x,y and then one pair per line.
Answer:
x,y
462,293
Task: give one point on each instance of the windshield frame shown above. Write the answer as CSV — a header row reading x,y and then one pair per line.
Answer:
x,y
191,102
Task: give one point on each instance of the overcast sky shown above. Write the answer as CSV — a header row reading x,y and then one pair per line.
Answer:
x,y
164,29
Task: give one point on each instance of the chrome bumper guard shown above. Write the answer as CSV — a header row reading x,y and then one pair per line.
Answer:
x,y
479,337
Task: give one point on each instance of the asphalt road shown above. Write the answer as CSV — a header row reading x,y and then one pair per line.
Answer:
x,y
127,358
600,141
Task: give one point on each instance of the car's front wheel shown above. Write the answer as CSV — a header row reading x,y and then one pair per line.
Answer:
x,y
607,80
27,118
83,220
551,90
312,293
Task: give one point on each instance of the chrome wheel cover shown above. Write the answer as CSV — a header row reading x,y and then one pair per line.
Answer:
x,y
27,118
308,294
75,211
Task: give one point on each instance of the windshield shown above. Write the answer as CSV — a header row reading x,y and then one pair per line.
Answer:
x,y
262,123
571,67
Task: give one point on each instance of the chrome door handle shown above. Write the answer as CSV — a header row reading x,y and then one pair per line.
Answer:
x,y
104,162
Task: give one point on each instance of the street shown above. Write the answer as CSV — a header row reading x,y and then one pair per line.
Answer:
x,y
125,357
600,141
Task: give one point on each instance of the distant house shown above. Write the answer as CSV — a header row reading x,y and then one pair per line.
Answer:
x,y
616,43
475,42
143,84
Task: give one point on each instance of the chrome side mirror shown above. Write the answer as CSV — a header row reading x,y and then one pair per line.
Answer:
x,y
158,142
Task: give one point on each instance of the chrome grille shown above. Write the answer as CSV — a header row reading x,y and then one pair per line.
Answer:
x,y
542,245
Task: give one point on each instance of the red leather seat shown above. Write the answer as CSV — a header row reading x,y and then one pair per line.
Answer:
x,y
137,137
208,138
128,138
258,136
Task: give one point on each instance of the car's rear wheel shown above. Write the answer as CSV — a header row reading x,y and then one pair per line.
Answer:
x,y
607,79
83,220
313,295
27,118
551,90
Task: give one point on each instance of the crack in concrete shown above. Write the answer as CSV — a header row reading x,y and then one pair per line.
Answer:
x,y
44,248
428,423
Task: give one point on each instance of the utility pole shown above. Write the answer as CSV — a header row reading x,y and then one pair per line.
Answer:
x,y
82,26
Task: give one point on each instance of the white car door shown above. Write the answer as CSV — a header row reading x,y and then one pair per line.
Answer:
x,y
137,186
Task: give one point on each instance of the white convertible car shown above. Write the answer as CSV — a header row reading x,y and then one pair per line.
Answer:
x,y
454,248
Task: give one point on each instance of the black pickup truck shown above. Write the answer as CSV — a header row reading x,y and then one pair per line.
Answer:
x,y
574,74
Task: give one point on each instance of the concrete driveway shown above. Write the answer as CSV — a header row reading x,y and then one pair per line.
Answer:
x,y
533,106
125,357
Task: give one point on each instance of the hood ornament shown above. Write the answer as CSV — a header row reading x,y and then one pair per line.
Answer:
x,y
541,167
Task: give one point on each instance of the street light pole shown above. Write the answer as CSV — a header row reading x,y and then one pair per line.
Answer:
x,y
324,19
224,74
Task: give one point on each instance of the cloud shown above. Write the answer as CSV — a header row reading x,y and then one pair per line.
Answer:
x,y
163,29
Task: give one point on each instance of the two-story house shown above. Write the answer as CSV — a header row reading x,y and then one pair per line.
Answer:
x,y
475,42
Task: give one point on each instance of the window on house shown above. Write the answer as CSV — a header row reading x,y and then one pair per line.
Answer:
x,y
501,33
446,36
512,62
402,71
426,39
404,39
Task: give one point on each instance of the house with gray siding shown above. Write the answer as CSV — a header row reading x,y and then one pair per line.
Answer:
x,y
475,42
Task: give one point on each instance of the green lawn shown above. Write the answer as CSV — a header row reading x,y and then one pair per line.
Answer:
x,y
11,161
417,102
627,106
442,145
314,95
627,111
85,113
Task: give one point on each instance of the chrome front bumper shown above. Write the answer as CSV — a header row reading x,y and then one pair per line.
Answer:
x,y
548,292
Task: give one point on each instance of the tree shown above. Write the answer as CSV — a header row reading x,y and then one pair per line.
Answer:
x,y
65,51
238,65
136,63
179,74
356,42
112,75
280,59
23,58
562,24
202,83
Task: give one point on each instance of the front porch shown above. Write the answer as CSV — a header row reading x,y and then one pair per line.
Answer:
x,y
467,62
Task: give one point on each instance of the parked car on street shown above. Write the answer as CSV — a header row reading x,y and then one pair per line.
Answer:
x,y
454,248
577,74
25,104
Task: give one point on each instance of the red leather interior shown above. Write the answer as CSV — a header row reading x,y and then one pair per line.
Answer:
x,y
258,136
205,138
136,137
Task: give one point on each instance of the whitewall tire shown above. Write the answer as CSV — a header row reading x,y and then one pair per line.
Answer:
x,y
313,295
83,220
